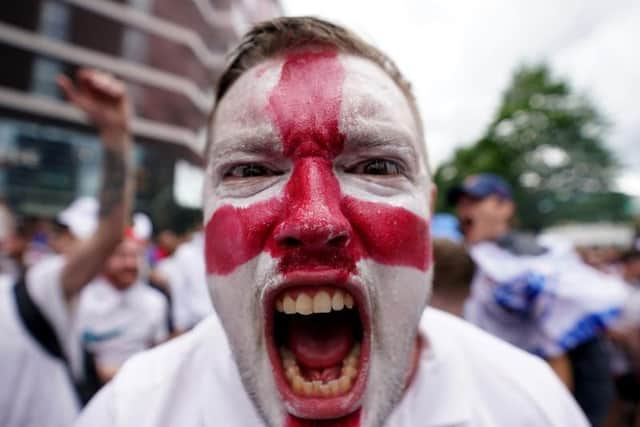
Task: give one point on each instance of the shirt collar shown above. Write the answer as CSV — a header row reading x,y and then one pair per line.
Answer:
x,y
440,394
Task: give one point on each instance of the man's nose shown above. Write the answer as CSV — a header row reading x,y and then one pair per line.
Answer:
x,y
314,219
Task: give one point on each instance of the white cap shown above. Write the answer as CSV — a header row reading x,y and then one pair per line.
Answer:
x,y
81,216
142,226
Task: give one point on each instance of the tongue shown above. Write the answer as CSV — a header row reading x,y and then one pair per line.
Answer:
x,y
322,340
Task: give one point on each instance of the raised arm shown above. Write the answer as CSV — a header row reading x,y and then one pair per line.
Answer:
x,y
104,100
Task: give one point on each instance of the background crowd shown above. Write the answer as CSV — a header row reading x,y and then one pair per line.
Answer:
x,y
542,163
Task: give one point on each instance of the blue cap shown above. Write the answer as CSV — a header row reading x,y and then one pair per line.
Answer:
x,y
480,186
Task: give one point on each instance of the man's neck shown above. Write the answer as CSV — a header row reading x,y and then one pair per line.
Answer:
x,y
421,344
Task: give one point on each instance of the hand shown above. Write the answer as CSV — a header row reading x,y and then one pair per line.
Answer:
x,y
103,98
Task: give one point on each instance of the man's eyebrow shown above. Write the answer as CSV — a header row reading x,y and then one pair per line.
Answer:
x,y
380,136
246,142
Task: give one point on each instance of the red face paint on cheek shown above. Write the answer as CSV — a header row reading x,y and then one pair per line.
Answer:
x,y
388,234
236,235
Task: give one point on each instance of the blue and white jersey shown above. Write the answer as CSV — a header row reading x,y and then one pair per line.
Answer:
x,y
546,303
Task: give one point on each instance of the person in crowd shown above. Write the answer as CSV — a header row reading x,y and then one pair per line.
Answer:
x,y
35,316
629,267
453,271
74,223
166,242
6,228
36,388
318,261
14,248
118,314
625,339
185,277
538,295
90,295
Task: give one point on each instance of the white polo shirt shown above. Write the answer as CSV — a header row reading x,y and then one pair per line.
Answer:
x,y
467,378
36,390
185,272
111,324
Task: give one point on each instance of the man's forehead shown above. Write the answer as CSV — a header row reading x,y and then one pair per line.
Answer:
x,y
130,244
369,98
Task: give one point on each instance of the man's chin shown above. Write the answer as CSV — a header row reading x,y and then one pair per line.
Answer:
x,y
124,282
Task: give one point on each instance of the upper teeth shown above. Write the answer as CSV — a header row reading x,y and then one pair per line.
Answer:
x,y
307,302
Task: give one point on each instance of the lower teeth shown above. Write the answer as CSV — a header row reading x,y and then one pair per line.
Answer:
x,y
317,388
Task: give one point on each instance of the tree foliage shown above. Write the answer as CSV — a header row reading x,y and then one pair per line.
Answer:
x,y
548,142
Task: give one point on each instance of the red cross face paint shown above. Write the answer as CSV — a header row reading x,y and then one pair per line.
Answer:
x,y
317,236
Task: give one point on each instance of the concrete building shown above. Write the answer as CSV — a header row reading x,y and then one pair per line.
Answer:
x,y
170,52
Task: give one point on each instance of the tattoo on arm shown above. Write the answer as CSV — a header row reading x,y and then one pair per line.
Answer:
x,y
115,172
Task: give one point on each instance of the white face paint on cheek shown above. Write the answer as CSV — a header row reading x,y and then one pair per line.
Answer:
x,y
237,301
399,296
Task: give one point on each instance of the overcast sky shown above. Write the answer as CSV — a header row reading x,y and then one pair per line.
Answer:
x,y
460,55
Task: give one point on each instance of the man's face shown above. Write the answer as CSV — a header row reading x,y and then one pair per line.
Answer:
x,y
484,219
167,241
317,236
123,265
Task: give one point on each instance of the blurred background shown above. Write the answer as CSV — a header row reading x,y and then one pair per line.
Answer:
x,y
541,92
168,52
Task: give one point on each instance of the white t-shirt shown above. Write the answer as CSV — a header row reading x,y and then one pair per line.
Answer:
x,y
467,378
185,272
36,390
111,324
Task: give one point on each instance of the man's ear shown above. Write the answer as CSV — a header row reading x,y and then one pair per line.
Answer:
x,y
433,197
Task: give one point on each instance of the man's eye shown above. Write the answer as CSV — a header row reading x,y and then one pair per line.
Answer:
x,y
249,170
376,167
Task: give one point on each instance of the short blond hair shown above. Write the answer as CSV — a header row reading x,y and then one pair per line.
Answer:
x,y
268,39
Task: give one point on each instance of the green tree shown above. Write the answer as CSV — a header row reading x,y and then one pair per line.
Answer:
x,y
548,142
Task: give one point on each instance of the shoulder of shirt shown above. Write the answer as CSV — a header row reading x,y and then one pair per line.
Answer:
x,y
146,294
165,364
498,368
44,268
187,254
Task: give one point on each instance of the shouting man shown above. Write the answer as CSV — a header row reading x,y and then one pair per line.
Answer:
x,y
536,294
317,246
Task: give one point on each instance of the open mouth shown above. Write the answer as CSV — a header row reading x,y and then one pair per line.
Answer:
x,y
465,224
319,349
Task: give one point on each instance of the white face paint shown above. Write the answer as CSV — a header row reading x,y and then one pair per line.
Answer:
x,y
317,188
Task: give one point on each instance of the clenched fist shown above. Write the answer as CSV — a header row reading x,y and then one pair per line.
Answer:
x,y
103,98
